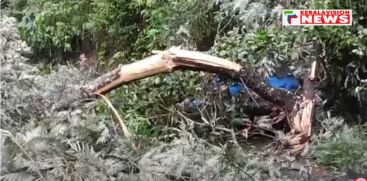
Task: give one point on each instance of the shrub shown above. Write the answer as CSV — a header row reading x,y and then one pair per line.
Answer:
x,y
345,150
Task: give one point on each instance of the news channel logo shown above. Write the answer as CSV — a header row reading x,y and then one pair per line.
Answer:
x,y
317,17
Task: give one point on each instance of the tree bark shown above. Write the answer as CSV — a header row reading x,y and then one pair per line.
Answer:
x,y
301,120
175,59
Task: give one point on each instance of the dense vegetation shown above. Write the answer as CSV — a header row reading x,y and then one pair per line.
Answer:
x,y
82,144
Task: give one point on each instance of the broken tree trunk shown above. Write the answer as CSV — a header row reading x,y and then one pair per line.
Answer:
x,y
175,59
163,62
301,121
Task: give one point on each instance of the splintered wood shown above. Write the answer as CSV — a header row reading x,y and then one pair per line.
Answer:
x,y
175,59
164,62
302,120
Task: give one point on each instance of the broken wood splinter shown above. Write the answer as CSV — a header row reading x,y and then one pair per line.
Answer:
x,y
176,59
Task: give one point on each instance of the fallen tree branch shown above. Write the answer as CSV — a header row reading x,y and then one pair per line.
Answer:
x,y
117,118
164,62
301,121
175,59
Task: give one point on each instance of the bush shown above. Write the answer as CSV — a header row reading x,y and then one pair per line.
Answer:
x,y
55,26
132,27
345,150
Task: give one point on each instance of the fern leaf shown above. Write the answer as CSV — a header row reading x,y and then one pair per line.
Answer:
x,y
17,177
105,135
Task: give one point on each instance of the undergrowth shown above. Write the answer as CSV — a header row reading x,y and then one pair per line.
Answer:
x,y
343,148
83,143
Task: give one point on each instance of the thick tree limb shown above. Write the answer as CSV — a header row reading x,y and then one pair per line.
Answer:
x,y
164,62
278,97
302,120
176,59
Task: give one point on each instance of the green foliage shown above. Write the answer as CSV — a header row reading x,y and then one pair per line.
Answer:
x,y
124,30
245,14
55,25
145,105
269,47
343,41
345,150
13,7
115,26
247,166
84,144
174,23
62,150
276,44
133,27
